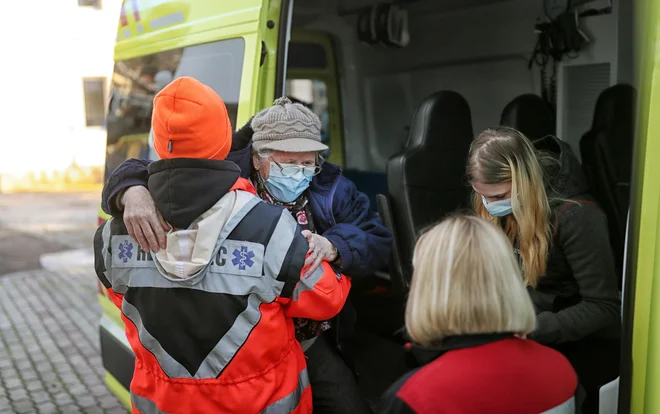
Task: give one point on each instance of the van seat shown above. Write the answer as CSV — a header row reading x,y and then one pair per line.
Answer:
x,y
529,114
427,180
606,151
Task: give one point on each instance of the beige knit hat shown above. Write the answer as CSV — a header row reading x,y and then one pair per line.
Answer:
x,y
287,127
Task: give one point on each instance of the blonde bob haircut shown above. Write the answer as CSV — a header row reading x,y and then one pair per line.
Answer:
x,y
504,155
466,280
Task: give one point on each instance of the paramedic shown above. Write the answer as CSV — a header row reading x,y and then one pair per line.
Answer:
x,y
279,151
210,318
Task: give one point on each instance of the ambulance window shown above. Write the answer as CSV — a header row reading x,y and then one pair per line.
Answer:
x,y
307,56
94,92
136,81
313,94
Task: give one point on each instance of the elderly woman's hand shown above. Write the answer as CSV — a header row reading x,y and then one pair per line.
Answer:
x,y
143,222
320,249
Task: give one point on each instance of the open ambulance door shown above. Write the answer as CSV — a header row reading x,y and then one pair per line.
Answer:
x,y
307,71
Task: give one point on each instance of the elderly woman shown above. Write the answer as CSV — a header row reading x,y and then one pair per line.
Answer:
x,y
278,150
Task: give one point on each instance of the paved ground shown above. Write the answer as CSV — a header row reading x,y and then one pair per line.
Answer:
x,y
49,351
35,224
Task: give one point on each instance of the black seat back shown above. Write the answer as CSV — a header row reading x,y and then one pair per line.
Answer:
x,y
427,180
606,151
531,115
396,274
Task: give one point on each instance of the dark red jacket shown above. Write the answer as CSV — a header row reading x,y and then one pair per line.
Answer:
x,y
492,374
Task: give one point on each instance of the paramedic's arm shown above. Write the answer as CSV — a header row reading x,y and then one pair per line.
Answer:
x,y
319,296
102,261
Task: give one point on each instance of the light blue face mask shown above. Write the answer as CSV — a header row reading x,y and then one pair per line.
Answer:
x,y
498,208
287,187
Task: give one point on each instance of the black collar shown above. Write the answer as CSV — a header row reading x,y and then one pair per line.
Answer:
x,y
184,188
424,355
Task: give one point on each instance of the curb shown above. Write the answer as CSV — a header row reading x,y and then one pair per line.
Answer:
x,y
67,259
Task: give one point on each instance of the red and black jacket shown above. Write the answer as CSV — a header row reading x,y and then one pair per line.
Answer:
x,y
492,374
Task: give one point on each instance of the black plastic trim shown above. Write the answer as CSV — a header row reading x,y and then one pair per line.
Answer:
x,y
281,47
338,80
117,359
629,290
264,53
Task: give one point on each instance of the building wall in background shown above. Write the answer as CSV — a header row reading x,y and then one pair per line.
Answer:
x,y
49,49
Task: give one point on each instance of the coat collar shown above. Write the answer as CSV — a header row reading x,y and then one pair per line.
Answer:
x,y
424,355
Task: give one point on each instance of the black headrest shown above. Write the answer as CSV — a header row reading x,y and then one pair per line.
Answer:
x,y
443,114
614,124
615,105
529,114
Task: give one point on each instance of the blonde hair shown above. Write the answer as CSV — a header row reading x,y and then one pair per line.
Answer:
x,y
466,281
505,155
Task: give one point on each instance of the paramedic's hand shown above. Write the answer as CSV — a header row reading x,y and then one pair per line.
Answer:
x,y
320,249
143,222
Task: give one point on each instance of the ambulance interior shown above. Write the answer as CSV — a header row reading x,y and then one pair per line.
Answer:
x,y
401,104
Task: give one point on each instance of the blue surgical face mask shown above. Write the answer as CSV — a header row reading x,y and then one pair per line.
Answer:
x,y
288,188
498,208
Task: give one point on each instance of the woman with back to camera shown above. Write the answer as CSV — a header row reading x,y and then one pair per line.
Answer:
x,y
468,313
560,235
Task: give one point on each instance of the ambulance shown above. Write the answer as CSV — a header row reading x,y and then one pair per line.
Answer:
x,y
366,67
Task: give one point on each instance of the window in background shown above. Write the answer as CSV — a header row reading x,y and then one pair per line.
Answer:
x,y
90,3
94,90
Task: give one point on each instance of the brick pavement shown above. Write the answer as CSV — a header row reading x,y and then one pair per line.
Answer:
x,y
49,350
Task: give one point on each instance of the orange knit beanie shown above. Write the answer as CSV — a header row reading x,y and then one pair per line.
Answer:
x,y
190,121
